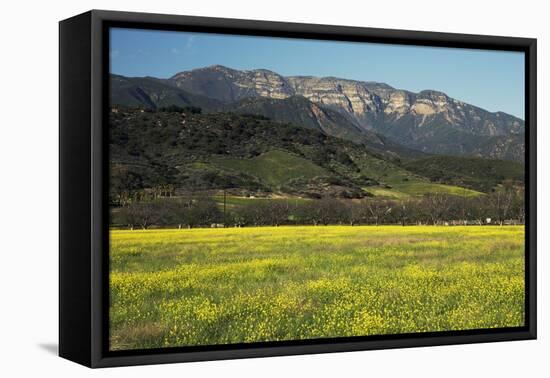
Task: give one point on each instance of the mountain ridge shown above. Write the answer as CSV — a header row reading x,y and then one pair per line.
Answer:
x,y
373,85
429,121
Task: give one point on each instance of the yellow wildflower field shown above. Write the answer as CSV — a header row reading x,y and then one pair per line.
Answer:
x,y
173,288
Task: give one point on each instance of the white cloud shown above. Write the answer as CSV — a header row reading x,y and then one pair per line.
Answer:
x,y
188,43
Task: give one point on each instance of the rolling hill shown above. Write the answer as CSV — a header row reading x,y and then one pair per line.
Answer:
x,y
275,167
474,173
249,155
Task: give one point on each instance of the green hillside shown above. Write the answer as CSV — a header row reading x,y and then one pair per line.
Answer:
x,y
274,167
420,188
252,156
247,154
475,173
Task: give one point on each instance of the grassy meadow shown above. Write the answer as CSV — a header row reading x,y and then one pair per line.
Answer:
x,y
234,285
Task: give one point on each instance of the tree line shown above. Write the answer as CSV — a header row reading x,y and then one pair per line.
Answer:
x,y
433,209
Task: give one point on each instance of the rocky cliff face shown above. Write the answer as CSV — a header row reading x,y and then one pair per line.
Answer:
x,y
226,84
349,96
369,104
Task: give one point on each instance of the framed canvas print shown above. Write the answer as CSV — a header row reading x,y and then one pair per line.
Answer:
x,y
233,188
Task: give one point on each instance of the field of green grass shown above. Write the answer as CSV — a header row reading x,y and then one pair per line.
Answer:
x,y
277,167
235,201
219,286
274,167
419,188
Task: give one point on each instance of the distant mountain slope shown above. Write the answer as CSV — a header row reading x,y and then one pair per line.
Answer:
x,y
430,120
153,93
439,136
301,112
511,147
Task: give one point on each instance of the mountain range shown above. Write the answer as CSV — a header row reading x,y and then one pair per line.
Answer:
x,y
392,121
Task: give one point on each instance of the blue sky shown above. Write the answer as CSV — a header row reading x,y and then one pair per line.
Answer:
x,y
493,80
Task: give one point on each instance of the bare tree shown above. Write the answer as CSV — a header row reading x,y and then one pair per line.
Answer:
x,y
478,209
322,211
436,206
277,212
250,214
204,211
353,213
519,205
377,210
327,210
501,202
143,214
405,211
178,212
461,206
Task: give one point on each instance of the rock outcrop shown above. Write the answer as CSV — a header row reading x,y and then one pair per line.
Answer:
x,y
367,103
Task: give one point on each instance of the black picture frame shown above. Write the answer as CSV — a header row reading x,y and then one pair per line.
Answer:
x,y
83,152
